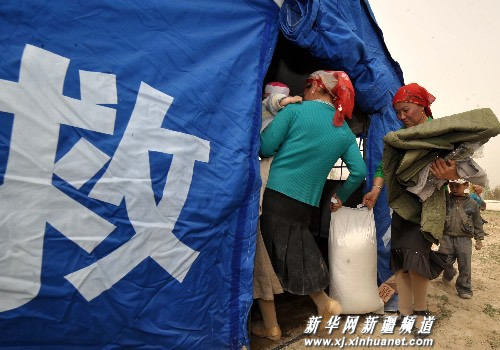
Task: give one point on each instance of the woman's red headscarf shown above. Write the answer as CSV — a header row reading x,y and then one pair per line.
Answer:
x,y
414,93
339,86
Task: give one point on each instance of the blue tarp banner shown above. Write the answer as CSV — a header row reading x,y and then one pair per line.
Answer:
x,y
345,36
128,171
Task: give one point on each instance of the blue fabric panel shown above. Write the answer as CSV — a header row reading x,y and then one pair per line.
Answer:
x,y
345,36
211,59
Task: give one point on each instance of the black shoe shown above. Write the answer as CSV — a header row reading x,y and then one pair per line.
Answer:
x,y
399,319
415,331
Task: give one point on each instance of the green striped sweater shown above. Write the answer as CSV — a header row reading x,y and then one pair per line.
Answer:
x,y
305,145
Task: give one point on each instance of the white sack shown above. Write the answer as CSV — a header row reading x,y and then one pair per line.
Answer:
x,y
352,252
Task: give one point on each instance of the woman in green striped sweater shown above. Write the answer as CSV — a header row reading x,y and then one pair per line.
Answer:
x,y
306,140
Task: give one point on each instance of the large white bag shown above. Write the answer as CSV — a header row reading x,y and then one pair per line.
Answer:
x,y
352,252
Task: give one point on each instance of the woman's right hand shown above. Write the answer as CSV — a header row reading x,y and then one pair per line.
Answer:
x,y
335,203
371,197
290,99
444,170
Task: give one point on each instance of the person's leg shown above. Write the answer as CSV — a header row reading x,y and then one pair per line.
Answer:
x,y
420,287
269,327
323,301
446,247
449,270
464,257
404,288
327,307
268,311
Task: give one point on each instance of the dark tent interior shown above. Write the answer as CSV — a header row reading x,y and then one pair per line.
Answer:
x,y
292,65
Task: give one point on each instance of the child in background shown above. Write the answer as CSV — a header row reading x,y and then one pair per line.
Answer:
x,y
265,281
463,222
476,195
275,98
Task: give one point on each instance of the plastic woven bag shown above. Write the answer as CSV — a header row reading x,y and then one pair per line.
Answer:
x,y
352,251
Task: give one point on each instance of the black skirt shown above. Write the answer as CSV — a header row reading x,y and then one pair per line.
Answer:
x,y
296,258
411,251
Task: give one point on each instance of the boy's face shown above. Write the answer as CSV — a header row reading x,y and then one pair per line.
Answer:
x,y
457,189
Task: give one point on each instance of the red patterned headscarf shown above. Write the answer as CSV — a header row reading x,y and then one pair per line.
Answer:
x,y
337,84
414,93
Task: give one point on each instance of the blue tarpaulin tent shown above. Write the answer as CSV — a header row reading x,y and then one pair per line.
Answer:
x,y
128,161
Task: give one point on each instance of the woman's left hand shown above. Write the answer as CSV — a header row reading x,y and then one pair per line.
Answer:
x,y
444,170
335,206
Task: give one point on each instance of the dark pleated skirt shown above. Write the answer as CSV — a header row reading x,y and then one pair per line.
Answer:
x,y
295,257
411,251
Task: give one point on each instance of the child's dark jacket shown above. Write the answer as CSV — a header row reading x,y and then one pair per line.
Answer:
x,y
462,217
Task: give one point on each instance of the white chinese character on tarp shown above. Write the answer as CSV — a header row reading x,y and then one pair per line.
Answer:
x,y
313,324
333,323
128,176
350,324
369,324
407,324
426,326
389,325
28,200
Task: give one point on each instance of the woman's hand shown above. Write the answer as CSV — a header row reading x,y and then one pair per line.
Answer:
x,y
444,170
290,99
335,203
371,197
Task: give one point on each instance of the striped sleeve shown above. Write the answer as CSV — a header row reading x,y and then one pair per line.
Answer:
x,y
357,171
275,134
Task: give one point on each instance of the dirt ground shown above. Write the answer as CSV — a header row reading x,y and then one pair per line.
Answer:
x,y
472,324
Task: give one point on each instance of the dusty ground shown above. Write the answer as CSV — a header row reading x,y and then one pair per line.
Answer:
x,y
460,324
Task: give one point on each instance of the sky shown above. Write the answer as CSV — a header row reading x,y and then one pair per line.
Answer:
x,y
451,47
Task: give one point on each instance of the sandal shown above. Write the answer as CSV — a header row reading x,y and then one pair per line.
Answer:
x,y
332,308
273,333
